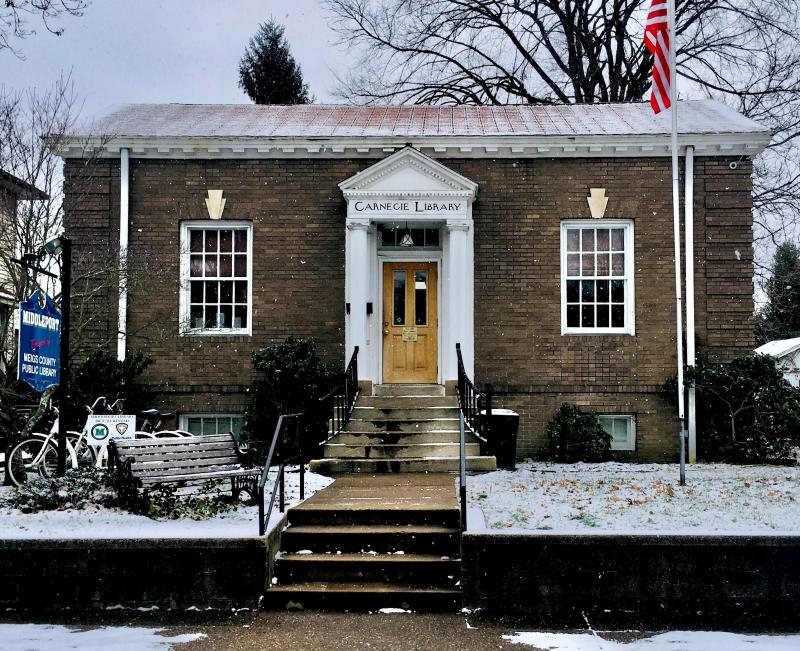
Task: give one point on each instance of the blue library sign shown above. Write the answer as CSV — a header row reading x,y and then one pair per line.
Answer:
x,y
39,341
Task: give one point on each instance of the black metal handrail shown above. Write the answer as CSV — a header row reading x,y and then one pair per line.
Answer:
x,y
279,452
339,402
472,401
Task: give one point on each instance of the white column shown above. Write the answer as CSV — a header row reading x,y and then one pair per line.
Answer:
x,y
357,285
688,194
122,306
459,318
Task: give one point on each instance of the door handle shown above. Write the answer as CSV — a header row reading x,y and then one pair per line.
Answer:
x,y
386,331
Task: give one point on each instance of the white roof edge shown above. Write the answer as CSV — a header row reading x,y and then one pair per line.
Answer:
x,y
779,347
706,144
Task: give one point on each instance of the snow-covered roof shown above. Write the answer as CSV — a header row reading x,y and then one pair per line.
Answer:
x,y
312,120
779,348
255,131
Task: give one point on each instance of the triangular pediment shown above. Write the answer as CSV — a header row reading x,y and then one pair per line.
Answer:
x,y
408,171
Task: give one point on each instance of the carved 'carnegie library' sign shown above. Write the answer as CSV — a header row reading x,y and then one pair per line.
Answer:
x,y
410,207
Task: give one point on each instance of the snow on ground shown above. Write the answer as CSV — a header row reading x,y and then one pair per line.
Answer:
x,y
100,522
672,641
621,497
45,637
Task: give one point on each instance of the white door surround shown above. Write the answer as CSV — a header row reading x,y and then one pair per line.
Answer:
x,y
409,187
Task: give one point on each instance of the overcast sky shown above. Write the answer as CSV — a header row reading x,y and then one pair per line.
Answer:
x,y
169,50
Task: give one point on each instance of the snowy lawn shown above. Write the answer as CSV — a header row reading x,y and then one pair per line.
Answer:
x,y
98,522
619,497
33,637
672,641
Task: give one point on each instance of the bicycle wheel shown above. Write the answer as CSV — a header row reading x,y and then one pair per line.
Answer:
x,y
85,453
26,459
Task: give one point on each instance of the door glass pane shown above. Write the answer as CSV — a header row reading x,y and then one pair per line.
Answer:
x,y
420,298
399,314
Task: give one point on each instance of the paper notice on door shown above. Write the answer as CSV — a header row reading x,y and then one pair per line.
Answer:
x,y
409,334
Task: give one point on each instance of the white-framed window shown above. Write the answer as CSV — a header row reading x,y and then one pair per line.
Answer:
x,y
597,277
216,277
622,429
207,424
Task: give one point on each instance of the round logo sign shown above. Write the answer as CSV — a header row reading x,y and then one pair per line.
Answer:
x,y
99,432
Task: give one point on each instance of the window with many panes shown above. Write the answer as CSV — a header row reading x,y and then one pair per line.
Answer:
x,y
597,277
216,277
622,430
205,424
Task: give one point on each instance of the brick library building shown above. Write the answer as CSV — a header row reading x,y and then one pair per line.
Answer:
x,y
539,238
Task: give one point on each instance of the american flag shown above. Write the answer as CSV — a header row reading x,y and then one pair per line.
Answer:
x,y
656,40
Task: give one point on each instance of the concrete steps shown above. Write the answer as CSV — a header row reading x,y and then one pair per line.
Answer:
x,y
402,428
402,450
340,466
409,569
396,390
380,538
371,542
362,597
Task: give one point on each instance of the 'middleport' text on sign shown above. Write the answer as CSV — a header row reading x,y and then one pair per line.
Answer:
x,y
39,341
414,207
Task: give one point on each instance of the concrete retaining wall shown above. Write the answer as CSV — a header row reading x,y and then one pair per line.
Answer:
x,y
174,573
634,579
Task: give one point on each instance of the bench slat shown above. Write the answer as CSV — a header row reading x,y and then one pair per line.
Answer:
x,y
222,474
134,443
183,455
176,449
139,466
176,472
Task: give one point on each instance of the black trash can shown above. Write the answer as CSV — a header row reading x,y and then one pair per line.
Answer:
x,y
500,430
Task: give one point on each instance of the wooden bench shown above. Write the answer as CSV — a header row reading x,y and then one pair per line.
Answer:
x,y
143,464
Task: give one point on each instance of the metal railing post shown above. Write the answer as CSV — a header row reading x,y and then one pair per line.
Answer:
x,y
281,489
462,471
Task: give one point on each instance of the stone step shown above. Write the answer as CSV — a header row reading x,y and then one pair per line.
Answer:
x,y
403,426
408,390
361,512
407,402
361,597
404,413
409,569
406,438
397,450
380,538
431,464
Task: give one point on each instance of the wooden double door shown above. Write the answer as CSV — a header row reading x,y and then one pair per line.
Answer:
x,y
410,322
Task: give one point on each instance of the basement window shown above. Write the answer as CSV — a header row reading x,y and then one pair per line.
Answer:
x,y
216,277
597,277
622,429
209,424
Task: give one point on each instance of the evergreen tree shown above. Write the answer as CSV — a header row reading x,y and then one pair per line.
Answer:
x,y
780,318
268,72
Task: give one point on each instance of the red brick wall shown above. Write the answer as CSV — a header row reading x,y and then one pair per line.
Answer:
x,y
518,341
298,218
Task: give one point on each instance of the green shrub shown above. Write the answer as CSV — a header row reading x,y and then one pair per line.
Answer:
x,y
746,411
77,489
163,502
574,435
292,379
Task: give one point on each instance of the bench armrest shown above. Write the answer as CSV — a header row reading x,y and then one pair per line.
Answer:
x,y
248,457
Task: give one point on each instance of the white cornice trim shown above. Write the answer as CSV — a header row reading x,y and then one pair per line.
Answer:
x,y
639,146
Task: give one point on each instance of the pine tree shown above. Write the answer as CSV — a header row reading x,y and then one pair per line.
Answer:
x,y
268,72
780,318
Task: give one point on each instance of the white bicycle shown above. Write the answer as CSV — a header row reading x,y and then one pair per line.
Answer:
x,y
37,453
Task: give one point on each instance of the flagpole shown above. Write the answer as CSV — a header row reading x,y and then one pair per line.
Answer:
x,y
676,227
